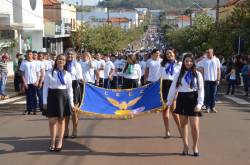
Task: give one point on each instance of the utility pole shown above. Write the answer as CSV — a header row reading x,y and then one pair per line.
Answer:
x,y
217,13
81,11
108,19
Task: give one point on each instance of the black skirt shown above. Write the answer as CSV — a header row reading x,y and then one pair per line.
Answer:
x,y
165,89
58,103
76,92
185,104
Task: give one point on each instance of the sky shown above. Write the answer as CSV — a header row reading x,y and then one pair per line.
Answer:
x,y
85,2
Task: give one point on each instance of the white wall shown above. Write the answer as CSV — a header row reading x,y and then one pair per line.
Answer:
x,y
68,12
34,17
7,8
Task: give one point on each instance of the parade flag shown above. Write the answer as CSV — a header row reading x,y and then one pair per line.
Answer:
x,y
121,103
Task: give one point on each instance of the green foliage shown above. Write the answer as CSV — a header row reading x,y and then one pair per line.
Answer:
x,y
203,34
105,39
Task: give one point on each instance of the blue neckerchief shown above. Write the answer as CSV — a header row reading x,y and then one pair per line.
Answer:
x,y
69,66
60,75
170,68
189,77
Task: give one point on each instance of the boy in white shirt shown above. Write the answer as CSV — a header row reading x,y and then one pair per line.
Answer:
x,y
30,79
210,68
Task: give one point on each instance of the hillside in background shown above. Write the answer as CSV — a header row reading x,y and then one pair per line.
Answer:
x,y
157,4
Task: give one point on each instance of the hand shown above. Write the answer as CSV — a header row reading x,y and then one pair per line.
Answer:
x,y
36,84
197,109
110,78
173,106
217,82
40,85
26,86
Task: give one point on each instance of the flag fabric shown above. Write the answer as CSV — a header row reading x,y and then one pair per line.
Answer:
x,y
121,103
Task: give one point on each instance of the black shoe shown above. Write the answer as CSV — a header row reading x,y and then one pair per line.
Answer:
x,y
184,153
196,154
51,148
28,112
58,149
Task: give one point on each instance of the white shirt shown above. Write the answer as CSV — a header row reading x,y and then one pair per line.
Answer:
x,y
87,71
154,67
41,66
53,82
210,67
31,71
119,66
76,71
168,76
99,65
184,87
48,64
107,69
136,72
143,67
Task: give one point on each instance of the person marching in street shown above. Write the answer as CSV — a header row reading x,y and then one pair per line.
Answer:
x,y
210,69
131,73
188,86
169,68
39,90
153,67
30,78
119,63
58,100
109,70
100,63
89,69
75,70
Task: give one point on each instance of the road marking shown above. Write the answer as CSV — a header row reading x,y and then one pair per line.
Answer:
x,y
238,100
11,100
20,102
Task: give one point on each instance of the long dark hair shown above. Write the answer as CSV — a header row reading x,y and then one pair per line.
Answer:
x,y
55,65
183,69
165,59
133,58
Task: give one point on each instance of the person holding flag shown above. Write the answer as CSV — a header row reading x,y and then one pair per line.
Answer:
x,y
58,100
169,68
75,70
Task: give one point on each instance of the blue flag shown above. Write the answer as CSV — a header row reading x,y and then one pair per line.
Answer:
x,y
121,103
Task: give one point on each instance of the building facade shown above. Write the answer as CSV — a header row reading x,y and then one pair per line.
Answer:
x,y
23,22
60,21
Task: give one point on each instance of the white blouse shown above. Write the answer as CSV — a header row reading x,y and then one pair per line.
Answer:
x,y
76,72
136,72
168,76
53,82
184,87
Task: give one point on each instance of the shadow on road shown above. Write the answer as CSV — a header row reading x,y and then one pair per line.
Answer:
x,y
34,144
40,146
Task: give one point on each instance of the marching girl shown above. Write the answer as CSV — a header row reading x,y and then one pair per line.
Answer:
x,y
169,68
189,85
131,73
58,100
75,70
